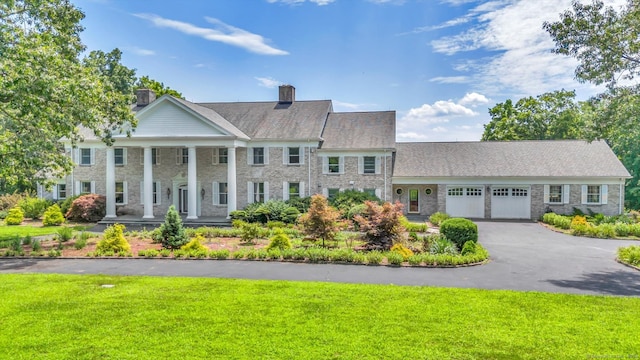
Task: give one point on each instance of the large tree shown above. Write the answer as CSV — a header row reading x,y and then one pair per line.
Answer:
x,y
47,92
550,116
159,88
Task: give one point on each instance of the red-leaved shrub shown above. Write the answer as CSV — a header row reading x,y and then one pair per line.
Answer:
x,y
90,207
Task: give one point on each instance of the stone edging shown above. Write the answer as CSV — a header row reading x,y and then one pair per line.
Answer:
x,y
627,264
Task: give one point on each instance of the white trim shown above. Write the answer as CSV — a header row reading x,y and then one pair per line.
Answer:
x,y
124,156
505,180
547,193
566,193
214,156
604,194
125,193
325,165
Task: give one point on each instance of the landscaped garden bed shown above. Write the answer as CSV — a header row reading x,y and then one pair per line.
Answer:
x,y
624,226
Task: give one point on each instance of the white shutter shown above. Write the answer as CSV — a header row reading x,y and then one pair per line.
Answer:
x,y
157,155
55,192
93,156
379,193
360,164
378,165
285,155
285,191
250,156
302,189
142,192
325,164
141,156
341,162
566,194
325,192
77,189
124,156
216,193
250,197
125,193
178,156
266,191
93,187
546,194
604,194
302,154
214,156
266,155
158,192
584,194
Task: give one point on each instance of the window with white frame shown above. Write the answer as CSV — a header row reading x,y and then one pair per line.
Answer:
x,y
293,154
555,194
61,191
258,156
593,194
85,187
157,195
371,192
120,156
332,192
182,156
458,191
294,190
223,156
333,164
155,156
369,165
220,193
258,192
86,156
121,193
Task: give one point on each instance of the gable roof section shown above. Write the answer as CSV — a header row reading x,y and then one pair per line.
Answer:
x,y
174,122
360,130
275,121
565,158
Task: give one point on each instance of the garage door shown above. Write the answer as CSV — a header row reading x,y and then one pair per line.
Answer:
x,y
511,202
465,201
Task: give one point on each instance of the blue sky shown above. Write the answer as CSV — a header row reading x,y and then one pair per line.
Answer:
x,y
441,64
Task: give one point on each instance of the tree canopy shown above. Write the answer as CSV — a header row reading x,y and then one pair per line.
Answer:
x,y
159,88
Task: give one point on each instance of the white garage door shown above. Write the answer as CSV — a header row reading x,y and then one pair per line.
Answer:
x,y
511,202
465,201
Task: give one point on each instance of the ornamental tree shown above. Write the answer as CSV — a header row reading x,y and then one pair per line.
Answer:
x,y
321,221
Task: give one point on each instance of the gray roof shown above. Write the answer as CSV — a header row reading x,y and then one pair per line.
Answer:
x,y
275,121
212,116
360,130
564,158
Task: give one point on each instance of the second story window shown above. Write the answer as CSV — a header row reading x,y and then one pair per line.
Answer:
x,y
258,156
120,156
86,157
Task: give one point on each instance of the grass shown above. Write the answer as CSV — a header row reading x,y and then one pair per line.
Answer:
x,y
8,232
72,316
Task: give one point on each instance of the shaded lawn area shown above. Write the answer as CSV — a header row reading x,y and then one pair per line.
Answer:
x,y
72,316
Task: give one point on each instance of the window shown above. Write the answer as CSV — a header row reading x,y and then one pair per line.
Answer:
x,y
455,191
222,193
593,194
371,192
474,191
369,165
121,193
294,190
555,194
120,156
334,164
223,156
331,193
155,156
61,191
182,156
519,192
85,187
258,192
294,155
157,194
501,192
86,156
156,188
258,156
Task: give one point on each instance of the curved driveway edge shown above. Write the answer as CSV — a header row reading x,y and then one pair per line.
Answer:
x,y
524,256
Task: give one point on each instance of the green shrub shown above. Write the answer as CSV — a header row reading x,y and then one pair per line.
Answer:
x,y
65,205
622,229
630,255
346,199
559,221
375,257
395,258
299,254
459,231
3,214
33,208
279,240
402,250
238,255
359,258
54,253
357,209
442,245
65,234
316,254
580,229
412,226
53,216
415,260
272,210
165,252
262,254
274,254
90,207
438,217
249,232
221,254
14,217
27,240
276,224
606,231
468,248
9,201
80,243
172,234
36,246
113,240
194,245
341,255
301,204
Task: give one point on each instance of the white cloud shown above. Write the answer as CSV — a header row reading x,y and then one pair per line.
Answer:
x,y
268,82
440,111
221,32
473,99
450,79
512,30
142,52
345,106
297,2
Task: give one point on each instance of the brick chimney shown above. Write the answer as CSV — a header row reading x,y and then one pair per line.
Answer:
x,y
145,97
287,94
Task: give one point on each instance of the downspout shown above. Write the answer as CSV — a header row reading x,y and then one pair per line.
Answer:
x,y
309,167
621,197
385,175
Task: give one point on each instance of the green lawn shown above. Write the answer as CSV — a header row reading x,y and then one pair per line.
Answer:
x,y
72,316
8,232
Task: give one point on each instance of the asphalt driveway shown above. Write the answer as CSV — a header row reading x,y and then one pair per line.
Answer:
x,y
524,256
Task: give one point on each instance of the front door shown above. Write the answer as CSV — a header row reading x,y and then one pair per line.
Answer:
x,y
183,200
414,204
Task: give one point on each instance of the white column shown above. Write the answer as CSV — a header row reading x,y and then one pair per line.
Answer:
x,y
111,183
192,184
231,180
148,184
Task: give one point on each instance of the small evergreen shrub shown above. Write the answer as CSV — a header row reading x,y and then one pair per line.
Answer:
x,y
238,255
622,229
630,255
342,255
113,241
468,248
14,217
32,207
249,232
274,254
279,240
402,250
165,253
88,208
27,240
459,231
438,217
276,224
395,258
65,234
53,216
194,245
172,234
606,231
36,246
346,199
80,243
